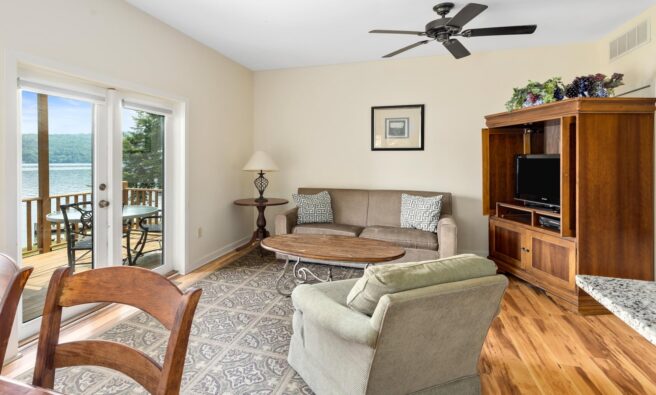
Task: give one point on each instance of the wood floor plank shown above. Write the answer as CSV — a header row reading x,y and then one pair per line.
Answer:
x,y
562,352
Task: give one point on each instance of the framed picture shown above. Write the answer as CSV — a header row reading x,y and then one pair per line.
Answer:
x,y
397,128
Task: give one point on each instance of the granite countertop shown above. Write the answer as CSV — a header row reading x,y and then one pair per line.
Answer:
x,y
633,301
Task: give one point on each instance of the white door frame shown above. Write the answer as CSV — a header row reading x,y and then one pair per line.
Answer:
x,y
167,110
10,150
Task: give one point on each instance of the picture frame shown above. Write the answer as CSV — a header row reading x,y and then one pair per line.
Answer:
x,y
397,128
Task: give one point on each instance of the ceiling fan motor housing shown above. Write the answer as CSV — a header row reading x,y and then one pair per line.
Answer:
x,y
440,30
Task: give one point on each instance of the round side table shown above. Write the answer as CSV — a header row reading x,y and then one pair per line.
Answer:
x,y
260,233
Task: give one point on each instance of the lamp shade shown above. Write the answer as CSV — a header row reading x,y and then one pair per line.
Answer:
x,y
260,161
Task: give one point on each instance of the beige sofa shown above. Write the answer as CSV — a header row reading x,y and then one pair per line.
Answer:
x,y
376,214
422,341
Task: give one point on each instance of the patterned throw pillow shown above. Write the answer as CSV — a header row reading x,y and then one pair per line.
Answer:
x,y
418,212
314,209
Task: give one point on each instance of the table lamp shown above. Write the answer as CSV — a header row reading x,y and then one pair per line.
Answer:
x,y
261,162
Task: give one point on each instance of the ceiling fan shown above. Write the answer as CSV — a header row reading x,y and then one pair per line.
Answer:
x,y
443,29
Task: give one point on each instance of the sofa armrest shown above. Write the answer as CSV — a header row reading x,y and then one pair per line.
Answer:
x,y
285,222
447,236
319,307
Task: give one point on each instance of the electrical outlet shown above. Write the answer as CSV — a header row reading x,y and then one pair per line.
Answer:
x,y
200,232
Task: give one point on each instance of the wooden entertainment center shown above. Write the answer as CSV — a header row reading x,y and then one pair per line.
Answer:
x,y
606,149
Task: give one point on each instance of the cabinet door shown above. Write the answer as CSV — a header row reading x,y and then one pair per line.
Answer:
x,y
500,146
551,260
506,243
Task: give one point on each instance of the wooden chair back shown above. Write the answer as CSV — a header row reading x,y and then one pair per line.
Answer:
x,y
12,282
137,287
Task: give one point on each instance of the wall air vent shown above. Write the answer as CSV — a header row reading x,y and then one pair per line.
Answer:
x,y
632,39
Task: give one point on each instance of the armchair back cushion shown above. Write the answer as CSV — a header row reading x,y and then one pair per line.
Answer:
x,y
380,280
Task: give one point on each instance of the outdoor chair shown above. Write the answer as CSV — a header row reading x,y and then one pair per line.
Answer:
x,y
79,232
150,226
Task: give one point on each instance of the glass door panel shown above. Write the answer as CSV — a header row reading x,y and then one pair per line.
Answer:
x,y
143,187
57,217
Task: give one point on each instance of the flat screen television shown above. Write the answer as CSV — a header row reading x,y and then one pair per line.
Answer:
x,y
538,179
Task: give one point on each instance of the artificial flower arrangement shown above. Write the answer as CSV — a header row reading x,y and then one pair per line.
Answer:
x,y
553,89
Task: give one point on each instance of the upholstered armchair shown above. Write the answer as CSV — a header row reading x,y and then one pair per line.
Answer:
x,y
425,340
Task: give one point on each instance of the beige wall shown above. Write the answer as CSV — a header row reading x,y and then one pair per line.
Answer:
x,y
639,65
111,38
315,122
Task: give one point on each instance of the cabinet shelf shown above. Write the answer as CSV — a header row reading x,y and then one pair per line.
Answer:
x,y
527,215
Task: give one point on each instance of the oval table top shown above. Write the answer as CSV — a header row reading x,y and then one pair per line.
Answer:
x,y
256,202
129,212
334,248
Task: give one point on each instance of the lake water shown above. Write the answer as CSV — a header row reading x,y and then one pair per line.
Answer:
x,y
64,178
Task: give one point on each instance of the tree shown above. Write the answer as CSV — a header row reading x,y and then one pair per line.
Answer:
x,y
143,152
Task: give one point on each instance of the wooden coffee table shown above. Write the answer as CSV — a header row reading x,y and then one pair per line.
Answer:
x,y
330,250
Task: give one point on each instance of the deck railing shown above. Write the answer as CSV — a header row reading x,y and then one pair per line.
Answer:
x,y
34,221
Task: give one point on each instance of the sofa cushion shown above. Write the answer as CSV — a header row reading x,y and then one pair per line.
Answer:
x,y
328,229
385,206
314,208
349,205
410,238
418,212
380,280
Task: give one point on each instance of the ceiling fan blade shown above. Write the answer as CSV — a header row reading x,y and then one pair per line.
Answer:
x,y
456,48
468,12
389,55
399,32
499,31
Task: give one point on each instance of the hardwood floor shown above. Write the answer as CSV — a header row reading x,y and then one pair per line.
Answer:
x,y
536,347
533,347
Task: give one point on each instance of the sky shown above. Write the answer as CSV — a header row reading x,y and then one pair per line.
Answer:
x,y
65,116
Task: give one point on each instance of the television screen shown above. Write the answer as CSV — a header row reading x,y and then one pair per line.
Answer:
x,y
538,179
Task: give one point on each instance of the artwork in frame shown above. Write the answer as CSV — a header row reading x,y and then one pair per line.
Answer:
x,y
397,128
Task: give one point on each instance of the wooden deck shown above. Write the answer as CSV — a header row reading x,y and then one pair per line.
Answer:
x,y
45,264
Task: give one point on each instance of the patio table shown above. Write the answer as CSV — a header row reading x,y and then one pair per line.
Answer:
x,y
130,212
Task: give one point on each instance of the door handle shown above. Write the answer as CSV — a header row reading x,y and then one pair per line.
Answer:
x,y
103,204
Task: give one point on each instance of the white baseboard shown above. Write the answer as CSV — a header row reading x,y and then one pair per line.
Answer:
x,y
217,254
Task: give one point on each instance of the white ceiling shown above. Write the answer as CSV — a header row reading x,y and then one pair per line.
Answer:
x,y
273,34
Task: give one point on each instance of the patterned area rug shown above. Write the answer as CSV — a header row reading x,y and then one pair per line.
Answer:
x,y
239,337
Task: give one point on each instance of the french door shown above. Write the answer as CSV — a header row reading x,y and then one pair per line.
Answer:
x,y
92,184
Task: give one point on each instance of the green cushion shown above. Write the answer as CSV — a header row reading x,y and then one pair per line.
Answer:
x,y
379,280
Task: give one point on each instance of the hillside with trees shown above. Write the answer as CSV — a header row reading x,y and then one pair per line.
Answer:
x,y
64,148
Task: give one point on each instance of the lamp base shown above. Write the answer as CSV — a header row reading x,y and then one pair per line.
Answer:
x,y
261,183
